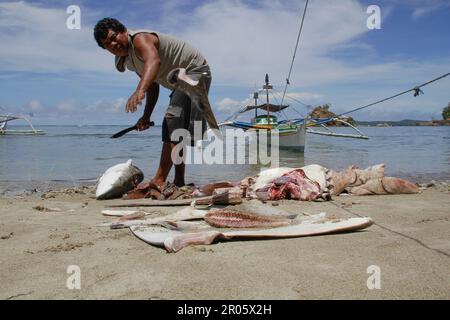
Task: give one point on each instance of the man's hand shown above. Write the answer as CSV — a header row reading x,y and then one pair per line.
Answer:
x,y
135,100
143,123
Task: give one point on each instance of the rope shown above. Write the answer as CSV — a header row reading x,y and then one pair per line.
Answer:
x,y
296,100
416,90
295,51
299,113
275,98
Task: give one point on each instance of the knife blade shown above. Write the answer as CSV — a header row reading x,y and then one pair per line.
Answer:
x,y
124,131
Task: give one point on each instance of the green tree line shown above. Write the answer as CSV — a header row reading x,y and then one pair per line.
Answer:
x,y
446,112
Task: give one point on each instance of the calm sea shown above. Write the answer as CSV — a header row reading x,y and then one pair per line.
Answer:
x,y
71,155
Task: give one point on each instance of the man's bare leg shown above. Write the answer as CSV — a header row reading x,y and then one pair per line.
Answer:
x,y
165,165
179,175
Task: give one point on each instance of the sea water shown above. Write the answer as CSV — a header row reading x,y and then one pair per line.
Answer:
x,y
73,155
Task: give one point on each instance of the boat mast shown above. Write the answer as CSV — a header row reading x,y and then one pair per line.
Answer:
x,y
255,96
267,86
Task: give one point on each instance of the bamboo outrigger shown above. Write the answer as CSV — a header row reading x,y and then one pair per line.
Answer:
x,y
5,131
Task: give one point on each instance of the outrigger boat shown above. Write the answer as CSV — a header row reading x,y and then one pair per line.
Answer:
x,y
291,132
290,135
5,131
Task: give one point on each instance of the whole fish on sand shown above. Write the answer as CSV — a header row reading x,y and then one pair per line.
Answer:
x,y
118,180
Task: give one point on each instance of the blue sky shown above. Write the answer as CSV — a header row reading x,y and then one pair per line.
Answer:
x,y
63,77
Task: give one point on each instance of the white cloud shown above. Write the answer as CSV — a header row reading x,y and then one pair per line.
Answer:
x,y
119,105
228,104
306,97
35,105
426,7
242,43
69,106
36,39
115,106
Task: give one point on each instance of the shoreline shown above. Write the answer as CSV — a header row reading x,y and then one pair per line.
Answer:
x,y
43,234
27,187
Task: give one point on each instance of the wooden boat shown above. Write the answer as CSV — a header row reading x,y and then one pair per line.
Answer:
x,y
288,135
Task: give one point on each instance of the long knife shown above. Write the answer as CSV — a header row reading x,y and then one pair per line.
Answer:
x,y
124,131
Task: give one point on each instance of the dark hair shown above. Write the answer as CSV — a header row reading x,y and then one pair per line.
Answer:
x,y
102,27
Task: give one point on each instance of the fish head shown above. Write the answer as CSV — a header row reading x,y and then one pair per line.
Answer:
x,y
118,180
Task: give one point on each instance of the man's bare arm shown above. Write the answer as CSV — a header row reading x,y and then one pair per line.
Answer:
x,y
147,48
152,98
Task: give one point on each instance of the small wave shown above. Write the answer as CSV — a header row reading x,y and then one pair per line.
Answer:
x,y
88,179
74,180
121,157
101,135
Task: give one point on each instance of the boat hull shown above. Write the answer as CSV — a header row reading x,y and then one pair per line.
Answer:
x,y
21,132
292,138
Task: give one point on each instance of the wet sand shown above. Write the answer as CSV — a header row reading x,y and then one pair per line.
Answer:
x,y
410,243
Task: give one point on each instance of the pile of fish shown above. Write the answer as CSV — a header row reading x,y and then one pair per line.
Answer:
x,y
309,183
368,182
242,213
294,185
168,191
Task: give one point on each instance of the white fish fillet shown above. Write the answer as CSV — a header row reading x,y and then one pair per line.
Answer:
x,y
174,240
118,213
188,213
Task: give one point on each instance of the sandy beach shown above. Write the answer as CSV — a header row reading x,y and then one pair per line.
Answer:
x,y
409,242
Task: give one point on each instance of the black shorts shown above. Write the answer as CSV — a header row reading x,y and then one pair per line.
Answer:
x,y
178,116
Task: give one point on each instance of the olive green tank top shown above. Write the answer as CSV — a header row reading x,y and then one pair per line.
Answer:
x,y
173,53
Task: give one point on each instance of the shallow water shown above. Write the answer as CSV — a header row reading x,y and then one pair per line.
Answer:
x,y
74,155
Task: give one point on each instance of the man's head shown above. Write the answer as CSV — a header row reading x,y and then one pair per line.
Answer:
x,y
112,35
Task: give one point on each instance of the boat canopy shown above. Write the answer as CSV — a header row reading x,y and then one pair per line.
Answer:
x,y
272,108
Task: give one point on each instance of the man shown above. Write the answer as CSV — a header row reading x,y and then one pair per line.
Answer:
x,y
160,59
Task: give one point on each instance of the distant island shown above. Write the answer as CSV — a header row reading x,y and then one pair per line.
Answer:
x,y
323,112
